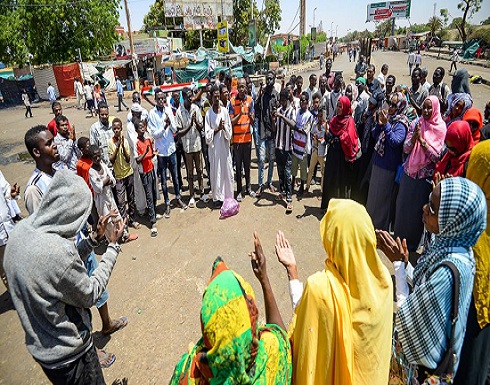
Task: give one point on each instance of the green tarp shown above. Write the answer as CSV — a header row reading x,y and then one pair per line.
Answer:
x,y
199,70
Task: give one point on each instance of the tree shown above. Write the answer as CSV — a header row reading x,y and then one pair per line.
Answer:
x,y
383,29
469,8
486,21
51,32
434,24
269,19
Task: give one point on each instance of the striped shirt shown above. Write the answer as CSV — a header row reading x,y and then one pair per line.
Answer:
x,y
301,132
100,135
284,130
36,187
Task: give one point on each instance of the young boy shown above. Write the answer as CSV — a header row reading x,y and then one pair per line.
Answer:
x,y
121,161
318,146
144,147
102,182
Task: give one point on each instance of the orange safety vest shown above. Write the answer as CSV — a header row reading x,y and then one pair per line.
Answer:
x,y
241,129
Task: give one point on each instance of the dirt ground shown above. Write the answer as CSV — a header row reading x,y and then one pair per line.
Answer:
x,y
158,282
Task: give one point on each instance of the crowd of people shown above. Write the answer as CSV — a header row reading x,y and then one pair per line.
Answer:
x,y
390,159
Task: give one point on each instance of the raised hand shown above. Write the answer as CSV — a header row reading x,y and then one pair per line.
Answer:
x,y
257,258
395,250
285,255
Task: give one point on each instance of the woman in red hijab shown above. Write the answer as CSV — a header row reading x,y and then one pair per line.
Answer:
x,y
475,119
459,143
343,150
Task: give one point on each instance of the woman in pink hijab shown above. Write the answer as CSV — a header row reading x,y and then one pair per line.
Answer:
x,y
423,146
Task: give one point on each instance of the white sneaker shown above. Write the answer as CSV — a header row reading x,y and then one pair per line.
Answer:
x,y
158,216
192,203
205,198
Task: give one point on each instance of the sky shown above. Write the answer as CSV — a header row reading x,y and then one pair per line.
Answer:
x,y
342,16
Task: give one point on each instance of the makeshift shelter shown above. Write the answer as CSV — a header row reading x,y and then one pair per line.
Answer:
x,y
43,76
65,75
11,90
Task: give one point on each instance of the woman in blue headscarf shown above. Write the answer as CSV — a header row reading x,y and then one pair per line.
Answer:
x,y
455,216
459,103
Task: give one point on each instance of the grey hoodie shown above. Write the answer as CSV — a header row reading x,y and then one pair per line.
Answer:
x,y
48,281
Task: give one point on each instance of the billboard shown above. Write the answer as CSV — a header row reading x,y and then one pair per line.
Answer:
x,y
199,14
388,10
252,33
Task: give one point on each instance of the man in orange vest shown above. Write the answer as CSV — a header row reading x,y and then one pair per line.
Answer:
x,y
242,116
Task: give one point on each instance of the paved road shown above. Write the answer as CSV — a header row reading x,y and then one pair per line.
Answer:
x,y
398,67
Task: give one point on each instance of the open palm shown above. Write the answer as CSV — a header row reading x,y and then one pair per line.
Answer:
x,y
284,251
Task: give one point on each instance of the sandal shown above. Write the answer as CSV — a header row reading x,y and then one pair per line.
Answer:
x,y
105,359
120,323
130,237
135,225
289,208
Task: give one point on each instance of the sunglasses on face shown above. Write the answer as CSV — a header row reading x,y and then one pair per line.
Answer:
x,y
430,205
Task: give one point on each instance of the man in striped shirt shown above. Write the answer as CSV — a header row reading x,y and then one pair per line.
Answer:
x,y
242,116
285,120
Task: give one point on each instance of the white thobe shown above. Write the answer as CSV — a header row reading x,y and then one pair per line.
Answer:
x,y
221,167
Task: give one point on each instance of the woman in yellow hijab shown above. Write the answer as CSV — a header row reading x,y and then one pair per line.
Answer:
x,y
474,366
342,327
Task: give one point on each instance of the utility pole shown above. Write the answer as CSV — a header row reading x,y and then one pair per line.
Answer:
x,y
302,17
131,47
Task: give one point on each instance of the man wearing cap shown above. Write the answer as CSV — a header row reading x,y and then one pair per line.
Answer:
x,y
137,108
120,95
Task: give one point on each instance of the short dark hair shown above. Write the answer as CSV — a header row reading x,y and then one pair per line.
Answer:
x,y
299,77
55,104
284,93
102,105
222,87
93,149
158,91
442,70
82,142
312,76
215,88
185,90
322,109
316,95
417,69
31,138
384,67
391,77
305,95
371,67
59,119
228,78
116,120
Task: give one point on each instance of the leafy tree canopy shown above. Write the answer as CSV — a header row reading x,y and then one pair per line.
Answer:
x,y
46,31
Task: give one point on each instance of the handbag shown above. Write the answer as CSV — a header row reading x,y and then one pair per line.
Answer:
x,y
444,373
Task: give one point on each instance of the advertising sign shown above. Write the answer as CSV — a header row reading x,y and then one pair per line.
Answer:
x,y
313,33
388,10
199,14
223,45
252,34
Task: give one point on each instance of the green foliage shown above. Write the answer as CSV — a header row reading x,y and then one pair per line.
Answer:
x,y
435,23
383,29
444,15
482,34
269,19
486,21
469,8
53,32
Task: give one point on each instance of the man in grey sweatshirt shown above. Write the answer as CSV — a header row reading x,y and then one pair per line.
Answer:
x,y
49,285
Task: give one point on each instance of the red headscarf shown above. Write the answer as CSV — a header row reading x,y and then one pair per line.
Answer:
x,y
459,134
474,115
344,127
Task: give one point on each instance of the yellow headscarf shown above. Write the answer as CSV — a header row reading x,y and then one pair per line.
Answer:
x,y
342,327
479,172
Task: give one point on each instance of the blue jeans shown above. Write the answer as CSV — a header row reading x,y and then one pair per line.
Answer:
x,y
91,264
266,145
163,163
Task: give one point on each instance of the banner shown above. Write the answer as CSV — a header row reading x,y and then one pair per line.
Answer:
x,y
252,34
388,10
223,44
313,33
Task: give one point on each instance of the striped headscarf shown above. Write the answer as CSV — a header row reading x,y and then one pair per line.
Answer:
x,y
423,321
454,99
234,349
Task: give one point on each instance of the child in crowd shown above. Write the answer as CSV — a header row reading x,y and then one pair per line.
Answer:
x,y
144,147
119,156
319,146
102,182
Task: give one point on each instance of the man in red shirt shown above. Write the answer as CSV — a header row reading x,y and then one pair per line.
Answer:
x,y
57,111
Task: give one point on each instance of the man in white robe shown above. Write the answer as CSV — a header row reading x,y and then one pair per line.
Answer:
x,y
218,131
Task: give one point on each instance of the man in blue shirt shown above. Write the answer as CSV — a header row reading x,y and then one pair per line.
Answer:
x,y
120,95
162,127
